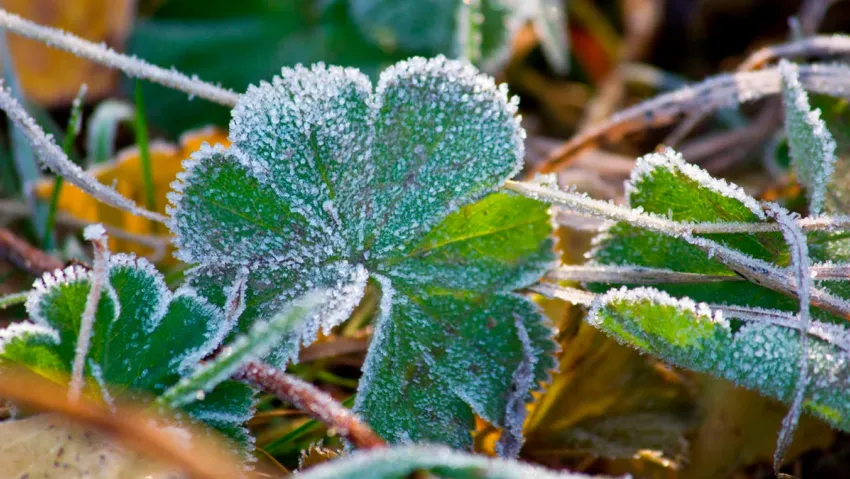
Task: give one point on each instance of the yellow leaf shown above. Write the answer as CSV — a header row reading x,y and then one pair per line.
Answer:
x,y
125,174
49,446
50,76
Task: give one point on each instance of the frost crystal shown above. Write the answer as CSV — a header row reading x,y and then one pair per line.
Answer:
x,y
328,182
811,144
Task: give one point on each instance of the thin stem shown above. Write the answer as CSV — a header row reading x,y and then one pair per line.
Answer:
x,y
54,158
710,95
97,235
311,400
130,65
24,256
632,275
585,205
140,127
796,240
13,299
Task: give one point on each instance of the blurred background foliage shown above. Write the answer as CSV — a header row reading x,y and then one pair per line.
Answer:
x,y
607,409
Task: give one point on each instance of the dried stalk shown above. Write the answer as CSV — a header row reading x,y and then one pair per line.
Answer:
x,y
311,400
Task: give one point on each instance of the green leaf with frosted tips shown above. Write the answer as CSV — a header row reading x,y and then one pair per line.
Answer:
x,y
753,352
402,462
329,182
144,337
812,147
664,184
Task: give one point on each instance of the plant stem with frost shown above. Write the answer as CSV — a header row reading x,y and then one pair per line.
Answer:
x,y
97,235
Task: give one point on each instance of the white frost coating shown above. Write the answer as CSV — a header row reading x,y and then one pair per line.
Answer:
x,y
511,440
700,310
104,55
99,279
669,159
163,295
811,144
402,461
191,357
376,352
23,329
93,232
800,263
54,158
43,285
447,135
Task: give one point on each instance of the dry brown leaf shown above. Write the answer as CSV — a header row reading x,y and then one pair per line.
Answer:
x,y
50,446
739,428
609,401
315,455
52,77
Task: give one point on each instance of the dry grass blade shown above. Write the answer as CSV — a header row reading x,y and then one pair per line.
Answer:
x,y
710,95
24,256
132,425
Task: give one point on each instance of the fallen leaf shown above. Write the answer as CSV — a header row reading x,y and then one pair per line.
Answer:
x,y
47,446
739,428
53,77
608,401
126,174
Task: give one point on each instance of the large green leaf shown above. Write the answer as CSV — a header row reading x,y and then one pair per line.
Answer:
x,y
755,352
144,337
402,462
329,182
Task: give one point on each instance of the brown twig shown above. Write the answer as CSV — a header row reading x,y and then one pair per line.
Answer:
x,y
25,256
311,400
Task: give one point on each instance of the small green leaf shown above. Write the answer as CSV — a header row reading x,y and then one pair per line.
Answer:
x,y
328,182
664,184
402,462
811,144
759,352
144,337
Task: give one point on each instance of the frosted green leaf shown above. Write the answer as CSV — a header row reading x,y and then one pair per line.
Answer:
x,y
328,183
760,352
449,352
665,184
403,462
144,337
811,145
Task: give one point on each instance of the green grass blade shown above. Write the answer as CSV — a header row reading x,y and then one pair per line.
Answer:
x,y
142,141
71,133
